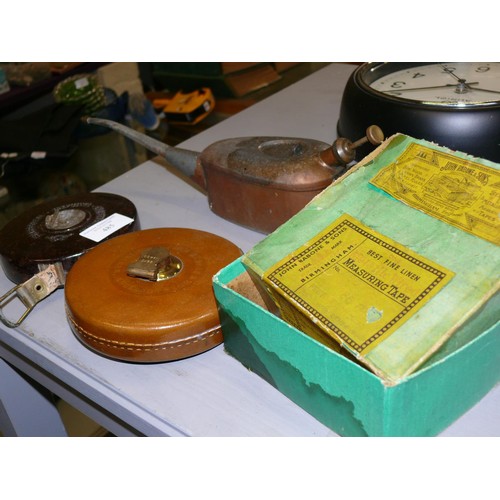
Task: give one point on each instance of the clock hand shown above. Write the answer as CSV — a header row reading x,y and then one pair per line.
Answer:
x,y
465,85
427,88
484,90
450,72
416,88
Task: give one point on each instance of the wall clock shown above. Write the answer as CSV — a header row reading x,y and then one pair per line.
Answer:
x,y
456,105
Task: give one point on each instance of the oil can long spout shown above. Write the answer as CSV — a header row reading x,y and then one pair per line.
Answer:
x,y
182,159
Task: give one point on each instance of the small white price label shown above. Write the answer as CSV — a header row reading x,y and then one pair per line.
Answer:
x,y
105,227
38,155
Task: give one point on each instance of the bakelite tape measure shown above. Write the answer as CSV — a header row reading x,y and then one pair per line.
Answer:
x,y
39,247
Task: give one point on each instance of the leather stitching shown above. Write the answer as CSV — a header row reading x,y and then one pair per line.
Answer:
x,y
131,346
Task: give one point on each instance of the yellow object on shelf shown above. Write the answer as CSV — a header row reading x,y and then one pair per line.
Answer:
x,y
187,108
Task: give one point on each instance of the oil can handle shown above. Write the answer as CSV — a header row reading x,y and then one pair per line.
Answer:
x,y
343,151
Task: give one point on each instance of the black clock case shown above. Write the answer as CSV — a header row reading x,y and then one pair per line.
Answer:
x,y
473,131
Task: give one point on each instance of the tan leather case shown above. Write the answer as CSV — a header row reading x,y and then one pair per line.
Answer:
x,y
132,318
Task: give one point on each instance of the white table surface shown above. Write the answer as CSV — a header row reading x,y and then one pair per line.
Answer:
x,y
211,394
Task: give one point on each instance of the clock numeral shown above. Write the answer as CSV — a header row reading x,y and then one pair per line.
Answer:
x,y
398,85
418,75
482,69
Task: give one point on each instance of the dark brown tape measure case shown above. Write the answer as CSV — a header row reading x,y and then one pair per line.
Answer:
x,y
39,246
50,233
147,296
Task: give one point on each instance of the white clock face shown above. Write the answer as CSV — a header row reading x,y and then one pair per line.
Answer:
x,y
447,84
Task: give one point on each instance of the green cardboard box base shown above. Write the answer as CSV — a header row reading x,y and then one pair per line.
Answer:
x,y
343,395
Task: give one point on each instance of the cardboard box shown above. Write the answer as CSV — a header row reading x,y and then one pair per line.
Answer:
x,y
284,66
391,260
342,394
442,358
121,77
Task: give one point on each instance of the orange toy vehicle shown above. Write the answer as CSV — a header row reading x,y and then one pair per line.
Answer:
x,y
187,108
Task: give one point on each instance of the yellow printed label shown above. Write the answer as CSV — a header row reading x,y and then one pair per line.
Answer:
x,y
462,193
357,285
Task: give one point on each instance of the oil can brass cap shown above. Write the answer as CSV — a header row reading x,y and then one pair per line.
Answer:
x,y
147,296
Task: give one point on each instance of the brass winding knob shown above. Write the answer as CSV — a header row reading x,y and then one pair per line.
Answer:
x,y
155,264
343,151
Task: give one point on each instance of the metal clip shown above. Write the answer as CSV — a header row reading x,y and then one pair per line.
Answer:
x,y
155,264
32,291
